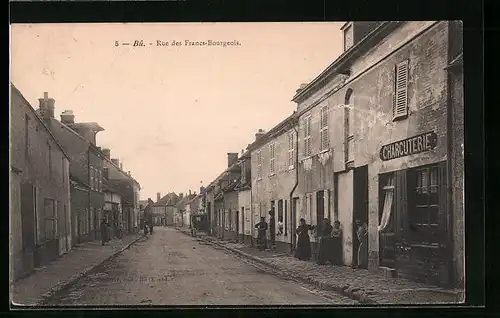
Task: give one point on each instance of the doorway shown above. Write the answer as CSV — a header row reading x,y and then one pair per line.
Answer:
x,y
243,223
238,224
320,209
360,209
28,223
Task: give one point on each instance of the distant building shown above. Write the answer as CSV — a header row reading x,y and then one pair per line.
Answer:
x,y
40,209
166,208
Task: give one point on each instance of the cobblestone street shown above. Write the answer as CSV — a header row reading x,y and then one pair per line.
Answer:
x,y
170,268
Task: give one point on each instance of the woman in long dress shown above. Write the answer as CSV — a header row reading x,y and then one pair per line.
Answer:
x,y
303,251
261,236
363,245
336,244
324,251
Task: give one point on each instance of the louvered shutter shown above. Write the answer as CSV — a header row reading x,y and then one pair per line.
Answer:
x,y
400,106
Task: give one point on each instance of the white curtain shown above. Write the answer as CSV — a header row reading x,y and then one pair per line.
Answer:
x,y
389,196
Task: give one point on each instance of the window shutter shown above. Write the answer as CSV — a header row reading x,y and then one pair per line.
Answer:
x,y
400,106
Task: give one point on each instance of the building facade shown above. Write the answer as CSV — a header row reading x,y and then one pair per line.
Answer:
x,y
374,146
273,164
40,210
86,168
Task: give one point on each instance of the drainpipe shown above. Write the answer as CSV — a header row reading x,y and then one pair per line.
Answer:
x,y
294,217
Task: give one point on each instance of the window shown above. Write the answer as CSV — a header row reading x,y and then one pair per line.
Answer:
x,y
400,104
291,149
324,139
388,197
348,38
307,137
26,135
259,164
349,138
50,219
272,159
424,212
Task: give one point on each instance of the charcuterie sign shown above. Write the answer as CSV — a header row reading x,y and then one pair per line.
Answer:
x,y
409,146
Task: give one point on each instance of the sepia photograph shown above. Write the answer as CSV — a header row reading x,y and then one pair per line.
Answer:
x,y
236,163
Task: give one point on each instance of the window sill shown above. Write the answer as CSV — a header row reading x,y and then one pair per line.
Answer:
x,y
398,118
308,157
291,167
272,174
323,151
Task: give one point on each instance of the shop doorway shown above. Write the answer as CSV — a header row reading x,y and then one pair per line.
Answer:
x,y
360,210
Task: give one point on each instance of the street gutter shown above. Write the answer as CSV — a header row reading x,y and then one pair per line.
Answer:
x,y
352,292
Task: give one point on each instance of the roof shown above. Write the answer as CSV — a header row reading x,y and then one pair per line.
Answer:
x,y
279,129
231,186
348,56
167,200
118,168
39,118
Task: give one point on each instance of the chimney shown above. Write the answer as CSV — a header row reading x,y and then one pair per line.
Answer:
x,y
128,172
232,157
301,87
189,192
158,196
116,162
181,195
202,189
46,106
121,166
106,152
259,134
67,117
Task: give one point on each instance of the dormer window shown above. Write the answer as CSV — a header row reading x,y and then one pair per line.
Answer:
x,y
348,36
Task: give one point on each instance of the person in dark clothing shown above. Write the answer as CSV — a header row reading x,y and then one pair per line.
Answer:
x,y
336,244
261,236
303,250
104,231
272,228
194,226
324,251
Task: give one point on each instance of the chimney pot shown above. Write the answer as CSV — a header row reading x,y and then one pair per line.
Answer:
x,y
116,162
158,196
67,117
232,157
259,134
106,152
46,106
121,166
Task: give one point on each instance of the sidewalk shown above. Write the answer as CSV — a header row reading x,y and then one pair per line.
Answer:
x,y
52,277
358,284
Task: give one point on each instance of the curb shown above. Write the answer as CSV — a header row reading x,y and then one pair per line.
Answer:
x,y
65,284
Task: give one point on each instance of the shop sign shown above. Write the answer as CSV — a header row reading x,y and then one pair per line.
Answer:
x,y
410,146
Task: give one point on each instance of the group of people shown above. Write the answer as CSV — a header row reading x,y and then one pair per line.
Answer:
x,y
329,240
108,231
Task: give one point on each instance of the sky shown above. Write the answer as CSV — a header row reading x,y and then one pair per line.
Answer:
x,y
172,113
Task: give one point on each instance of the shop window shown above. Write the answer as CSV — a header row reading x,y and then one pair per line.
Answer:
x,y
423,211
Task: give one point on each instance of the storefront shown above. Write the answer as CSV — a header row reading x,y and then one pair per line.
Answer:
x,y
413,214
